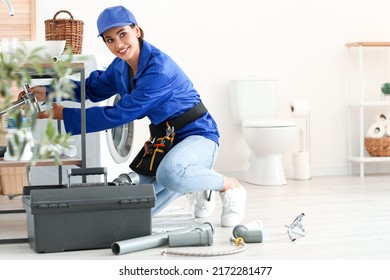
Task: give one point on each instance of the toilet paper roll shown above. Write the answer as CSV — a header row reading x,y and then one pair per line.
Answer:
x,y
52,150
301,158
388,130
70,151
299,108
301,163
376,130
382,117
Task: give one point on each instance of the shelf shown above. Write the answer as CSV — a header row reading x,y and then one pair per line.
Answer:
x,y
368,44
370,103
48,71
46,162
369,159
358,99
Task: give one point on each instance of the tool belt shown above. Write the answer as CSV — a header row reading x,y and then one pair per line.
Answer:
x,y
161,140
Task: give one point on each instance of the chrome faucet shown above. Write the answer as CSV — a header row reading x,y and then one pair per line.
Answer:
x,y
296,227
10,8
28,99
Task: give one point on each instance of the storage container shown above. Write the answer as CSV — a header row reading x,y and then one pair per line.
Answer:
x,y
12,179
61,218
71,30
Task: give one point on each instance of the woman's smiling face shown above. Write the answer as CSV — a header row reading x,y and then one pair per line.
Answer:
x,y
123,42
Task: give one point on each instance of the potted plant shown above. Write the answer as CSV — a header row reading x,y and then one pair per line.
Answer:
x,y
16,70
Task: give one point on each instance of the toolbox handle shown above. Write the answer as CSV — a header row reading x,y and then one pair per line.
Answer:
x,y
87,171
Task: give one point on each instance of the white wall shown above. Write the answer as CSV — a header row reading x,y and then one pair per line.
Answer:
x,y
300,43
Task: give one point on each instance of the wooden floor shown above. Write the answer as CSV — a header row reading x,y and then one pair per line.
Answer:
x,y
346,218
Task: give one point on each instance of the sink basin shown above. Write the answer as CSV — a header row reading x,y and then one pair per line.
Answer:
x,y
45,49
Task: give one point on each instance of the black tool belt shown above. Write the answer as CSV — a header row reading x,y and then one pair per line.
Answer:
x,y
180,121
161,141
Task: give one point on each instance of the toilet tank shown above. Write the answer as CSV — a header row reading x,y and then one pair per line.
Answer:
x,y
252,99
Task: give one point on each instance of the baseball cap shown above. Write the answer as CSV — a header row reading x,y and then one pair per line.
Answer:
x,y
113,17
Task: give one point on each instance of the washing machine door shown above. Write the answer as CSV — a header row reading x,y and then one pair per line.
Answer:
x,y
120,139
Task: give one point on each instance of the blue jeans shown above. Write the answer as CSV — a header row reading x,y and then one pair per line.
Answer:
x,y
186,168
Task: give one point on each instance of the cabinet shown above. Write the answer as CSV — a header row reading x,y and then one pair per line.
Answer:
x,y
360,102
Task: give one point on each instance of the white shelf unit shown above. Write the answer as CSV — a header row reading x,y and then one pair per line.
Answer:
x,y
362,104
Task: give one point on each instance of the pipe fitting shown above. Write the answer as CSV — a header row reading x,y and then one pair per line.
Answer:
x,y
252,232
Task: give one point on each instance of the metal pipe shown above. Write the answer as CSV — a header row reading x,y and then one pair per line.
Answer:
x,y
10,8
152,241
27,99
13,106
251,233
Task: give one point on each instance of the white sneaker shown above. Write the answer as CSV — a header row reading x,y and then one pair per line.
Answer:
x,y
204,203
233,206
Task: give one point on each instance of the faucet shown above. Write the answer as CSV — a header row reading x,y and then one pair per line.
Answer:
x,y
10,8
28,99
296,227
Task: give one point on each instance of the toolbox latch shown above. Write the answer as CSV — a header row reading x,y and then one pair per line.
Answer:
x,y
53,205
135,201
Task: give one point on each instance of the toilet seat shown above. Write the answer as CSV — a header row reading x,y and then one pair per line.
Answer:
x,y
268,123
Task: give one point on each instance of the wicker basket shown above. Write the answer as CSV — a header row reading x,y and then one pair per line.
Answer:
x,y
12,180
378,147
70,30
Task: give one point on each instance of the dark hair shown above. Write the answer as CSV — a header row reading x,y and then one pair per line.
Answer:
x,y
140,38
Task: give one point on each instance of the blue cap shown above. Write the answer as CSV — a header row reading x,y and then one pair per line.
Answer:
x,y
114,17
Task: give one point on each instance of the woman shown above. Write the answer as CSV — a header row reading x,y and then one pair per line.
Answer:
x,y
152,85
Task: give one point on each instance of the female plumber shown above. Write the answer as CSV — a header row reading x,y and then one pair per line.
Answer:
x,y
152,85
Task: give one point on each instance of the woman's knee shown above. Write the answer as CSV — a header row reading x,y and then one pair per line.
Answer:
x,y
169,178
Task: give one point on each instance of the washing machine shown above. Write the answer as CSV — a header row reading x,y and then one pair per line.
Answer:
x,y
113,148
117,147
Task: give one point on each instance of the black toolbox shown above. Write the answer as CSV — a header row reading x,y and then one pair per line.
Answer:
x,y
61,218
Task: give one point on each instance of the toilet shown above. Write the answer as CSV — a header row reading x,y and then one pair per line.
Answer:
x,y
252,105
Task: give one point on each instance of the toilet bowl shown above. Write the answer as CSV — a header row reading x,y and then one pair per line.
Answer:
x,y
253,107
268,140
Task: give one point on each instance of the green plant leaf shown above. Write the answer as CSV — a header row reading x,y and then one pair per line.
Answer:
x,y
15,70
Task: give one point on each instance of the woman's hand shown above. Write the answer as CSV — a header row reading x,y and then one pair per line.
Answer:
x,y
56,110
38,91
40,95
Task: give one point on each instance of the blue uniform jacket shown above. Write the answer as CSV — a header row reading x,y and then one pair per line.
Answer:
x,y
161,91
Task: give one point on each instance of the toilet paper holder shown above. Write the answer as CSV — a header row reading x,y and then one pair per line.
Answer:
x,y
301,159
301,109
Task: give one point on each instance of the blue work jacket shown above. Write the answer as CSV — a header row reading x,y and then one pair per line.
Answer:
x,y
160,90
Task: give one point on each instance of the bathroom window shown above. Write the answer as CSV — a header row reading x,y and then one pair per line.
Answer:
x,y
22,24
